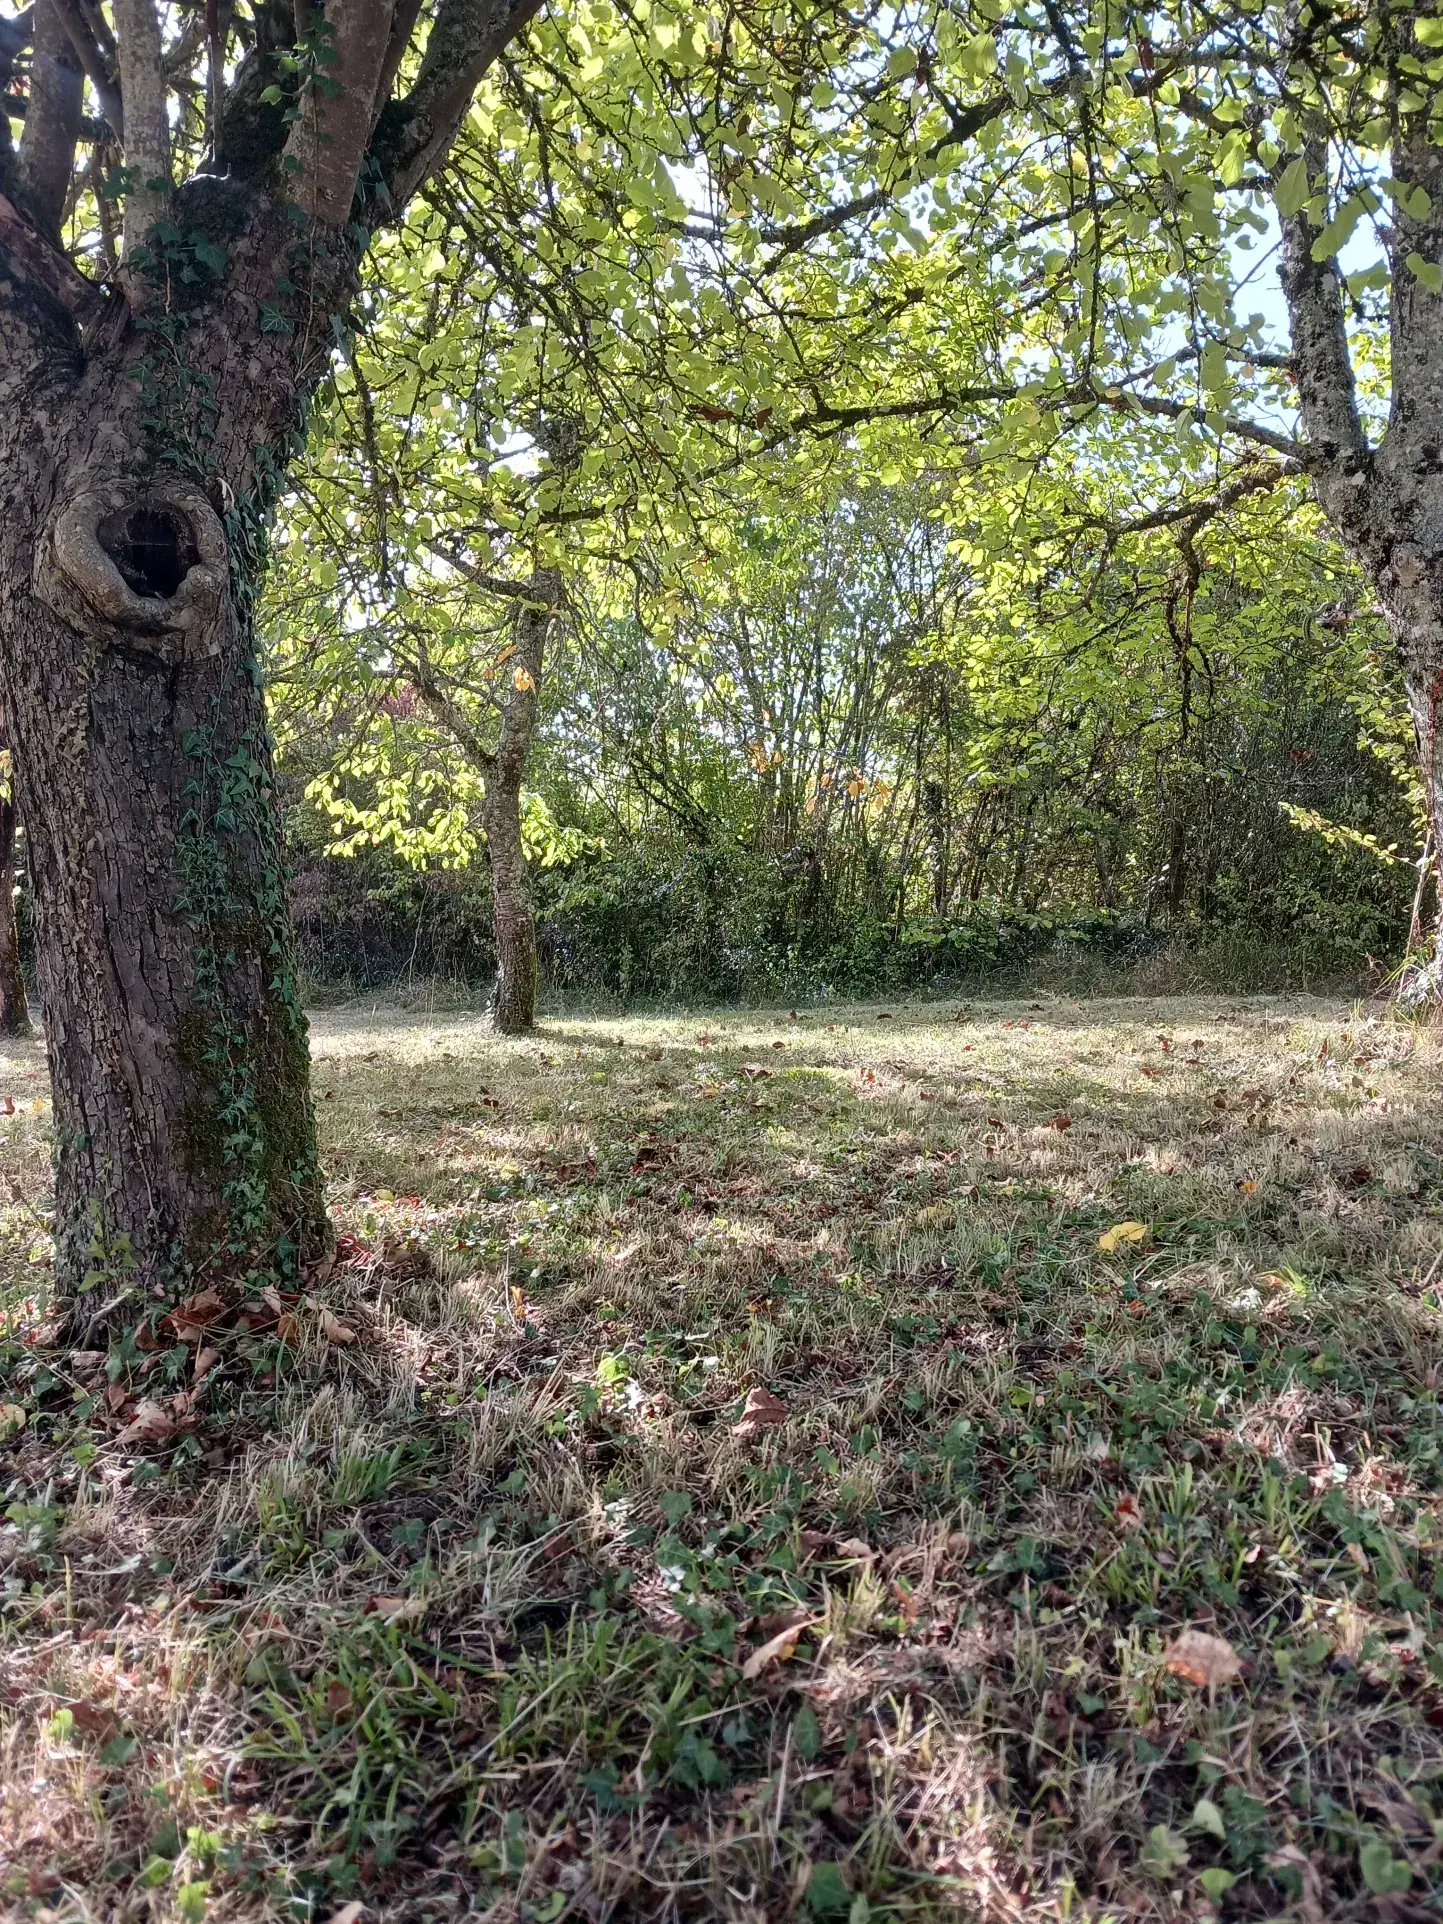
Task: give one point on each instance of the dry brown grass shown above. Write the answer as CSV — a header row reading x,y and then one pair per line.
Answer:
x,y
456,1619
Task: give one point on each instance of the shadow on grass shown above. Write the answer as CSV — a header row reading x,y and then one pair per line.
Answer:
x,y
511,1608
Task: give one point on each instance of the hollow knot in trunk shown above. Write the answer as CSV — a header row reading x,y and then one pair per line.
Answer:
x,y
137,567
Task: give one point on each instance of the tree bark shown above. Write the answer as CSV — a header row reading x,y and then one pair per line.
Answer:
x,y
1385,501
14,1008
185,1142
513,913
145,430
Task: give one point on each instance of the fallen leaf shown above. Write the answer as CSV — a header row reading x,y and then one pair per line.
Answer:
x,y
12,1421
90,1717
394,1609
334,1330
151,1423
1200,1658
1359,1556
205,1362
776,1649
1127,1517
84,1360
755,1071
854,1550
1060,1121
348,1913
1120,1233
762,1411
338,1698
195,1314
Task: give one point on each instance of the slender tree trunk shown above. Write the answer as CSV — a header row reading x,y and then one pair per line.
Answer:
x,y
14,1009
513,912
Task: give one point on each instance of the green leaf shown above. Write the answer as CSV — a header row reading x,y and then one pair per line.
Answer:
x,y
1216,1882
1164,1854
1428,273
1206,1816
827,1890
190,1902
807,1733
1382,1871
1293,191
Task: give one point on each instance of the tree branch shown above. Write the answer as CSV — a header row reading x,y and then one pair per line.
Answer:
x,y
52,122
140,58
331,134
95,62
1317,326
416,134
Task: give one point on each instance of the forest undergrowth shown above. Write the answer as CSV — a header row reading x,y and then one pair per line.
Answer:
x,y
878,1462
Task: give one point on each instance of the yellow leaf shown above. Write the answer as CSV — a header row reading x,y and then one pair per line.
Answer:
x,y
524,680
1120,1233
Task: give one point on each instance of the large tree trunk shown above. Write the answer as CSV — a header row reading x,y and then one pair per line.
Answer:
x,y
185,1142
14,1008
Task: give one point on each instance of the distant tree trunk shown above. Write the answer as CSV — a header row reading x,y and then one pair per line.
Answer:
x,y
513,914
14,1009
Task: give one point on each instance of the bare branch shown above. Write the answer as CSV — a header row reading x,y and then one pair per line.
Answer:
x,y
417,133
52,122
330,137
147,144
408,12
1322,365
26,252
493,584
95,61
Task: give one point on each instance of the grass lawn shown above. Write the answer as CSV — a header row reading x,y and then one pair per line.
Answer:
x,y
741,1469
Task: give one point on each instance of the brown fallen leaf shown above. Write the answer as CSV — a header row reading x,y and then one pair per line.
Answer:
x,y
350,1913
776,1649
338,1698
93,1718
755,1071
762,1411
205,1362
1202,1659
151,1423
334,1330
1060,1121
196,1314
1127,1517
854,1550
